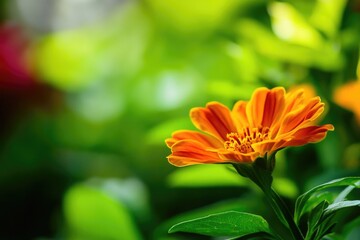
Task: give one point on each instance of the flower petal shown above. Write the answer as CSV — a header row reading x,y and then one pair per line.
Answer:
x,y
294,119
190,152
269,146
294,99
271,120
265,107
255,107
238,157
215,119
310,134
239,115
273,107
347,95
206,140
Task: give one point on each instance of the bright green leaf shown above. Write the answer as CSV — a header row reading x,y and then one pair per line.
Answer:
x,y
327,15
247,203
267,44
226,224
291,26
91,214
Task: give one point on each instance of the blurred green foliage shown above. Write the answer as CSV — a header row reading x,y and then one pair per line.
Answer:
x,y
111,89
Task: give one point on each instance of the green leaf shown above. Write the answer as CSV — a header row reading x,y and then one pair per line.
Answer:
x,y
324,57
340,205
350,230
315,217
327,16
318,198
343,194
326,226
226,224
317,213
284,15
91,214
247,203
321,222
301,202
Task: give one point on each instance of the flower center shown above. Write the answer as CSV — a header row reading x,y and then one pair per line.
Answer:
x,y
242,141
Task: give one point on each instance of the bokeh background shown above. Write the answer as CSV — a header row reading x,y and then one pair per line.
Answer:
x,y
89,90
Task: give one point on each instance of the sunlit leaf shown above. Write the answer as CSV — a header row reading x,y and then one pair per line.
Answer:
x,y
290,25
327,15
226,224
267,44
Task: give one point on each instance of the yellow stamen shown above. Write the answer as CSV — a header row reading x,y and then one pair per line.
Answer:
x,y
242,141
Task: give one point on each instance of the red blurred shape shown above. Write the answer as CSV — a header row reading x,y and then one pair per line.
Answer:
x,y
15,71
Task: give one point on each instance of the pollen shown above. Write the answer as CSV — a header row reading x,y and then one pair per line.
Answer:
x,y
242,141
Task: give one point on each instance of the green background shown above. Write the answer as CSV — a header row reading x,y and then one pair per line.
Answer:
x,y
82,153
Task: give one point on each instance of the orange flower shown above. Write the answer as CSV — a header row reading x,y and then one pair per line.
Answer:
x,y
271,120
347,96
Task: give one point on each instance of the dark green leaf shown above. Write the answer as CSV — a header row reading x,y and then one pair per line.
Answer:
x,y
315,217
226,224
327,225
302,200
318,198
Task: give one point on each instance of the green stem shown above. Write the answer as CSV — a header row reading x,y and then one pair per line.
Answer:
x,y
262,177
281,209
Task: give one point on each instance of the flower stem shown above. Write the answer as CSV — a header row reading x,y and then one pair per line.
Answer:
x,y
260,174
282,210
